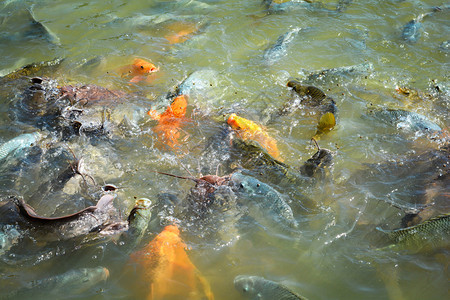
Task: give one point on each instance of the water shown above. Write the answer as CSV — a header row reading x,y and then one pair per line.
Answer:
x,y
333,255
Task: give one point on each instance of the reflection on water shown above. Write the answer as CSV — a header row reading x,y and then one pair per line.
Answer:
x,y
389,169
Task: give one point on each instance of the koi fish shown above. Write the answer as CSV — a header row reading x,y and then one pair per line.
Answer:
x,y
139,70
169,122
249,130
180,32
166,265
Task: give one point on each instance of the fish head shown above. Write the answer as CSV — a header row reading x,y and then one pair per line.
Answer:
x,y
141,66
244,284
140,211
179,106
239,123
86,278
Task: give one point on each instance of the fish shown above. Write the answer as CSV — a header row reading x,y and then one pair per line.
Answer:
x,y
445,46
180,32
27,28
266,200
431,234
166,268
101,218
19,143
73,282
196,82
259,288
313,96
335,74
279,49
342,5
249,130
169,124
407,120
138,221
139,70
318,163
277,6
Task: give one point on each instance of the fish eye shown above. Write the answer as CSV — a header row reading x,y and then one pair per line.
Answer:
x,y
241,185
258,185
142,67
245,289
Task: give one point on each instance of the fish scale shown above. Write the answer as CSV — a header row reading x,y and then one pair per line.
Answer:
x,y
434,231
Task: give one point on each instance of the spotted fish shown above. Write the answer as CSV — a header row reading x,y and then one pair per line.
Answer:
x,y
259,288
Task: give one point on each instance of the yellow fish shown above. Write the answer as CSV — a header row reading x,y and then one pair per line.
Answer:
x,y
249,130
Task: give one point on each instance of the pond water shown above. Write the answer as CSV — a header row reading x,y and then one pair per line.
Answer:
x,y
379,166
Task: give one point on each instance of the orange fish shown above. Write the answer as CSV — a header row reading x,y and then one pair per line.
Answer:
x,y
181,32
249,130
139,70
170,121
166,267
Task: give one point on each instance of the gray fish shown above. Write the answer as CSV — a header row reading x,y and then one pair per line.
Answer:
x,y
406,119
445,46
73,282
433,233
19,143
102,218
274,52
259,288
197,81
342,5
138,221
336,73
264,198
28,28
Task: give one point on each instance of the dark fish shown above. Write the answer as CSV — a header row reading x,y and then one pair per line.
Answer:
x,y
411,31
318,163
73,282
279,49
277,6
138,221
27,28
259,288
433,233
342,5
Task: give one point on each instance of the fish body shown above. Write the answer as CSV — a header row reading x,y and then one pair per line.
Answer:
x,y
320,161
339,72
73,282
342,5
170,122
19,143
277,6
279,49
166,267
264,198
411,31
249,130
102,218
407,119
197,81
259,288
434,233
139,70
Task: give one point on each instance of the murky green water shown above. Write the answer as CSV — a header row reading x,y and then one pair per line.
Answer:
x,y
333,254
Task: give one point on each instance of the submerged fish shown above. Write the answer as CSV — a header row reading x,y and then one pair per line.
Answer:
x,y
433,233
276,6
318,163
264,198
26,29
406,119
73,282
339,72
197,81
19,143
170,122
167,269
279,49
139,70
259,288
249,130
